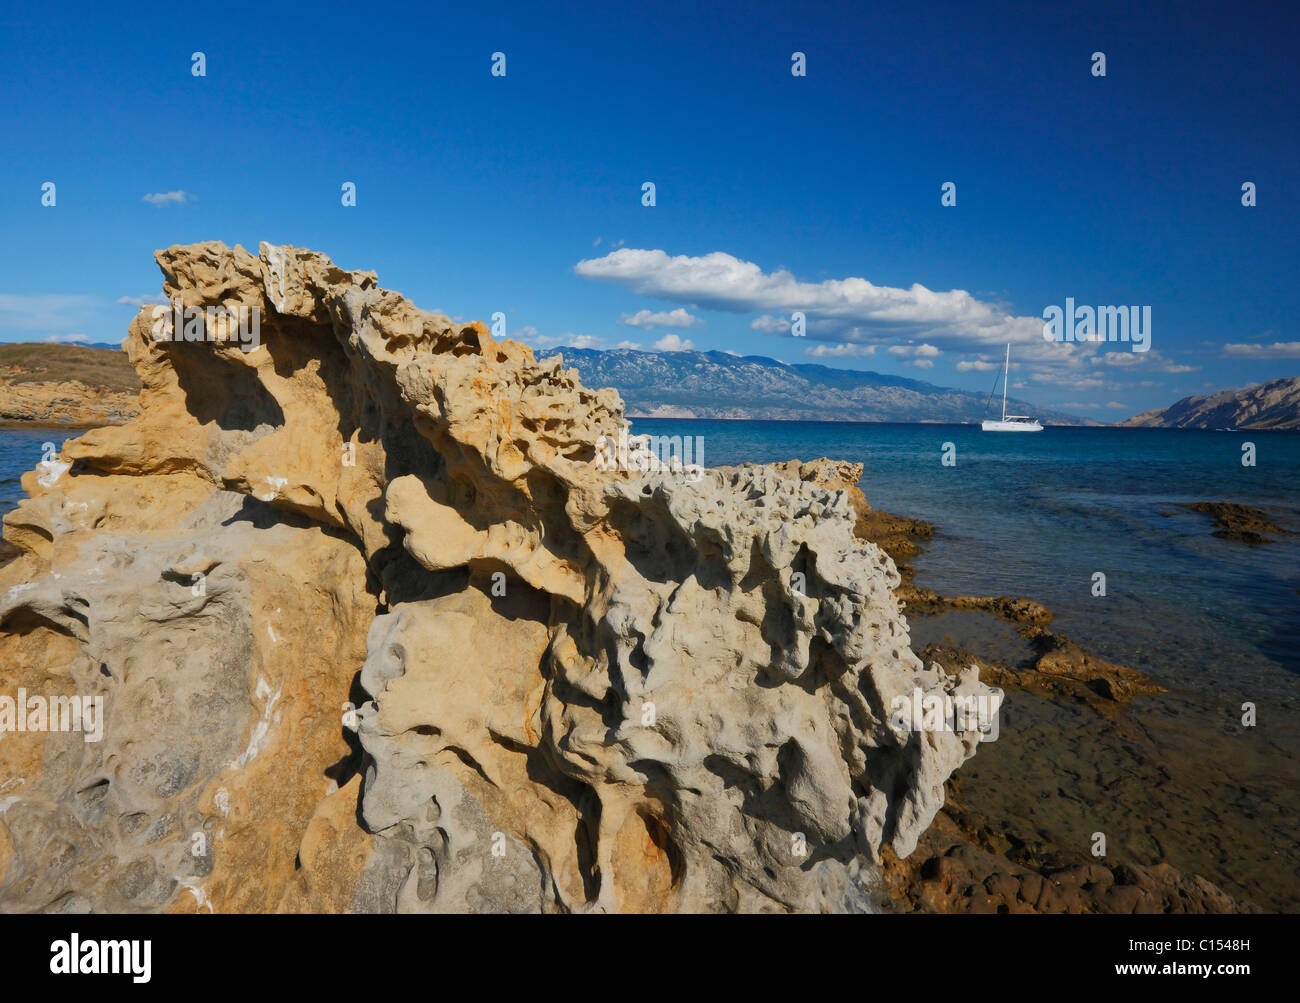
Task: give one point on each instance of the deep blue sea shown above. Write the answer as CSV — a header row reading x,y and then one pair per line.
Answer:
x,y
20,451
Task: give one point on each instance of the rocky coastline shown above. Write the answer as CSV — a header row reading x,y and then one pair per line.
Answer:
x,y
968,861
65,387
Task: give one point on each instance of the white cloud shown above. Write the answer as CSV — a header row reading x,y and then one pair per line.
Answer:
x,y
672,343
177,197
913,322
768,324
920,363
861,311
1150,360
66,339
628,344
1077,405
846,350
529,334
571,341
1074,382
1117,404
646,320
140,301
1273,350
914,350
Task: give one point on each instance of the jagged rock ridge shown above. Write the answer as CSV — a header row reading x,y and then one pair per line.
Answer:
x,y
1275,404
374,633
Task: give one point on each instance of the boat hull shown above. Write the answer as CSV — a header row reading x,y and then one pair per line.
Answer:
x,y
1011,426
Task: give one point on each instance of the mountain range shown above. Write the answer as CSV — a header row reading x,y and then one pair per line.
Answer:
x,y
750,387
1275,404
86,385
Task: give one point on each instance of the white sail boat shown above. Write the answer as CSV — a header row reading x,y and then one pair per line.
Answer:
x,y
1010,422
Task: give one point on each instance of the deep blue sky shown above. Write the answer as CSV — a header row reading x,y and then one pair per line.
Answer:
x,y
479,194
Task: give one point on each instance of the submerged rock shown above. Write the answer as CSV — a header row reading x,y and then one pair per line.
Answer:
x,y
1233,521
375,632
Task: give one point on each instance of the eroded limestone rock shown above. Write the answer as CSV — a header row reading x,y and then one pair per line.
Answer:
x,y
376,633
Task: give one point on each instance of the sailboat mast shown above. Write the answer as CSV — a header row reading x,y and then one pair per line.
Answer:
x,y
1006,373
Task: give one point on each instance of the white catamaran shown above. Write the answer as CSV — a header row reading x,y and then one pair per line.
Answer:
x,y
1010,422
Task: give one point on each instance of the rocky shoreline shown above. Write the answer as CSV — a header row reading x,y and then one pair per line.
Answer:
x,y
1232,521
967,861
65,387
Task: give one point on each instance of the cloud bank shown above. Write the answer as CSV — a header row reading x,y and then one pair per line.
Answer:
x,y
851,317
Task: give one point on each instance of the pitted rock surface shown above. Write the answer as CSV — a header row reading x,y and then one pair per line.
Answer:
x,y
375,632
